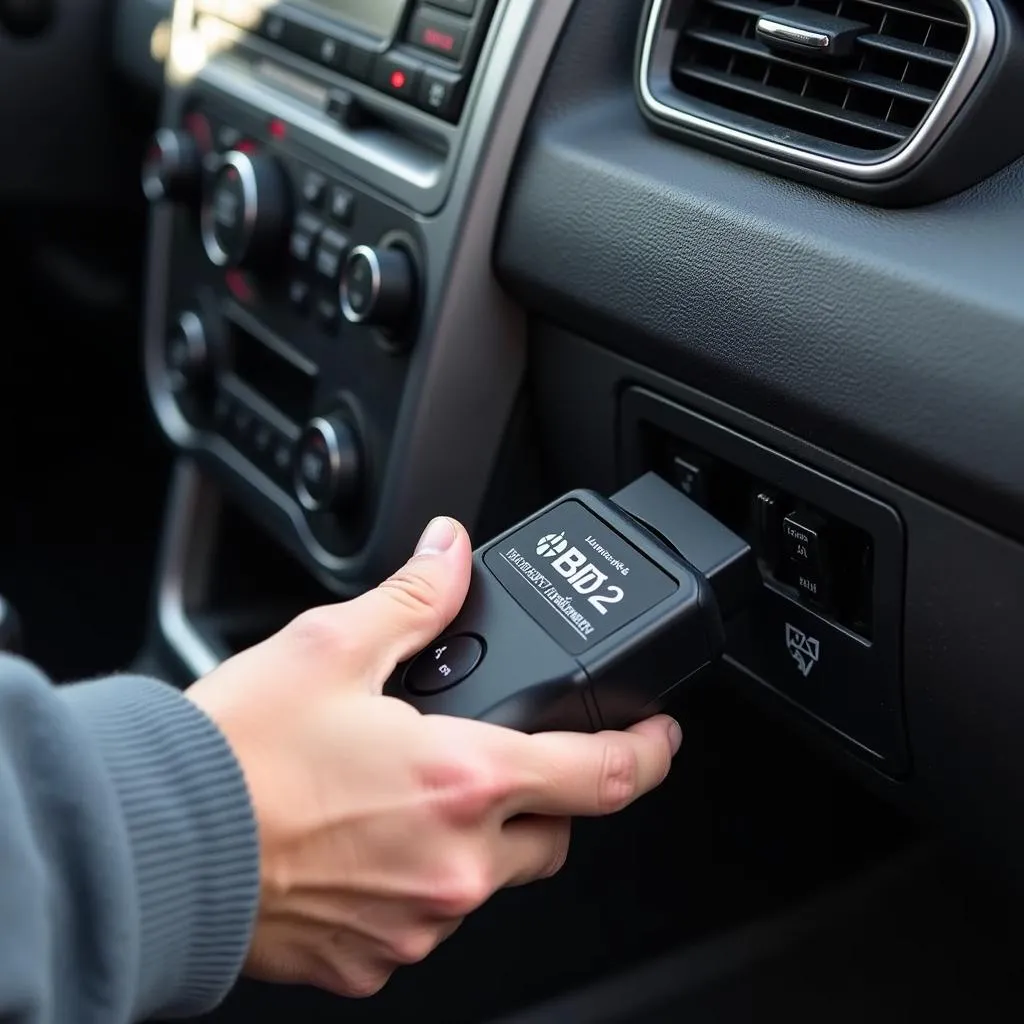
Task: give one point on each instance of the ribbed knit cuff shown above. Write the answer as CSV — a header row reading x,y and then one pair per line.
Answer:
x,y
193,836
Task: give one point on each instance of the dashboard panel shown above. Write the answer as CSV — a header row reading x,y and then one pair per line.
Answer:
x,y
271,113
879,347
839,381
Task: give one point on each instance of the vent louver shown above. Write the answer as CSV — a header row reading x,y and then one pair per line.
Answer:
x,y
861,106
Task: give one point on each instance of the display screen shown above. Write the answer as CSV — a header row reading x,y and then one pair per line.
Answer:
x,y
279,381
376,17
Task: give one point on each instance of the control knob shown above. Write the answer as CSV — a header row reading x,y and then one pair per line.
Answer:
x,y
328,464
187,352
247,213
378,287
172,168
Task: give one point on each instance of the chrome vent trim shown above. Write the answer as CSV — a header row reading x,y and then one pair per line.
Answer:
x,y
657,93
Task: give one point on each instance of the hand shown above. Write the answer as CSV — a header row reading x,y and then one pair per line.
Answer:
x,y
380,828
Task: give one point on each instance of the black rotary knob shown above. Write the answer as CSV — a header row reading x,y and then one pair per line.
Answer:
x,y
172,169
328,464
378,287
188,351
247,212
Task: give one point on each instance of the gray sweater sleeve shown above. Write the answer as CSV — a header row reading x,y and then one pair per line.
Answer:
x,y
129,861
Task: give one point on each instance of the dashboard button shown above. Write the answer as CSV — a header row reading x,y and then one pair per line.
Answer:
x,y
305,235
298,295
330,52
441,93
313,187
342,107
802,540
445,663
398,75
342,205
301,246
330,254
803,546
284,32
442,34
358,63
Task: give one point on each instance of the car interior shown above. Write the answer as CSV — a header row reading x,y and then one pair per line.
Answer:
x,y
292,277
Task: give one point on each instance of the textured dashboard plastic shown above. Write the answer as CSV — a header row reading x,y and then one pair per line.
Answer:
x,y
964,601
893,337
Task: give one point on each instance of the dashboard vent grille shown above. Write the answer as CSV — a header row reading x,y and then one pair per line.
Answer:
x,y
873,100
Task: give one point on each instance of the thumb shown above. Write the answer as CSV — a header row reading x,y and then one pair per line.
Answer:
x,y
411,608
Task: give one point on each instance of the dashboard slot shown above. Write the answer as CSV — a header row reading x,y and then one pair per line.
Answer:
x,y
825,633
816,558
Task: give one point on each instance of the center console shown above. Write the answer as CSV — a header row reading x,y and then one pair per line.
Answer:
x,y
324,340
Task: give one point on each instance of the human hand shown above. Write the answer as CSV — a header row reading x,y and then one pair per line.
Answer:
x,y
380,828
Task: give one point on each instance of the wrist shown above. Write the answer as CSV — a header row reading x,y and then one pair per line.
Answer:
x,y
193,838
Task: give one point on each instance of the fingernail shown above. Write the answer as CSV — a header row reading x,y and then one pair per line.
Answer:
x,y
437,538
675,736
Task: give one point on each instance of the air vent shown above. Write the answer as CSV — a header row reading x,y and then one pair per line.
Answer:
x,y
853,83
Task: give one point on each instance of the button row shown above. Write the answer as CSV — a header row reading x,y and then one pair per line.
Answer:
x,y
439,91
269,448
339,201
320,250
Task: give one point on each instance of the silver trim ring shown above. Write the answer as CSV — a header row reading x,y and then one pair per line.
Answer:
x,y
326,430
153,187
370,255
981,37
242,163
191,326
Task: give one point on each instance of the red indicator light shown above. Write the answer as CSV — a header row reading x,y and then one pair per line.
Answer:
x,y
398,80
239,286
246,146
278,129
438,40
199,128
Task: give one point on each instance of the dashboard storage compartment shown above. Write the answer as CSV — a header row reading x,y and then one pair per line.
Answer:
x,y
825,633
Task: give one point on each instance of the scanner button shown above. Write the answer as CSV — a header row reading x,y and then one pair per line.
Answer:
x,y
445,663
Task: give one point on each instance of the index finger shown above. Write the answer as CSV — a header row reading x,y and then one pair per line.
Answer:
x,y
589,775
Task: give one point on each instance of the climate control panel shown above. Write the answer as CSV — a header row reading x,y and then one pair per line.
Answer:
x,y
293,311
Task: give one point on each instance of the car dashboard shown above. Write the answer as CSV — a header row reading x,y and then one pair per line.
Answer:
x,y
459,257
